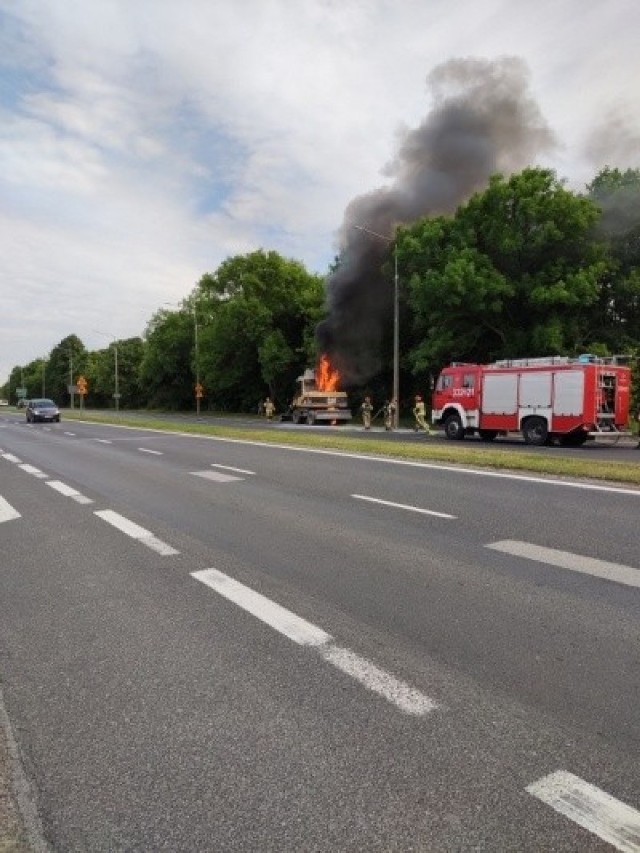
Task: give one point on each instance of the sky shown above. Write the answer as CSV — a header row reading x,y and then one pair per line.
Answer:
x,y
142,142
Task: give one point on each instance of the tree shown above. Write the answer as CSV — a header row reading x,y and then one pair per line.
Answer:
x,y
514,272
65,363
616,316
257,315
166,376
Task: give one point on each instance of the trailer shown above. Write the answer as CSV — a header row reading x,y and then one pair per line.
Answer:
x,y
552,398
315,403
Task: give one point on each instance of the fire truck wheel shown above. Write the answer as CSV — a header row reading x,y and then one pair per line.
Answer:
x,y
488,434
535,431
453,428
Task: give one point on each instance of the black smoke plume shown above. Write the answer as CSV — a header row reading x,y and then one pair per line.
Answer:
x,y
483,120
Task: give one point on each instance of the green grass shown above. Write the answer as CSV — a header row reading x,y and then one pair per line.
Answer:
x,y
459,453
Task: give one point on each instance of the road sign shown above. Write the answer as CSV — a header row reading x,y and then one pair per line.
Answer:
x,y
21,393
81,382
199,391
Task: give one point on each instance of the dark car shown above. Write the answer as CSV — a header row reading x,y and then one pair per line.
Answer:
x,y
42,410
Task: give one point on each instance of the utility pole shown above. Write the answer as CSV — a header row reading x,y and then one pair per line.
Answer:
x,y
396,318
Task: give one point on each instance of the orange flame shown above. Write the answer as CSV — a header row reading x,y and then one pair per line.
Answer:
x,y
327,378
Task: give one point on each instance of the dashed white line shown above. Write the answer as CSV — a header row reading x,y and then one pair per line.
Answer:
x,y
130,528
154,452
11,458
70,433
7,512
229,468
304,633
408,507
103,440
216,476
69,492
596,811
406,698
617,572
31,469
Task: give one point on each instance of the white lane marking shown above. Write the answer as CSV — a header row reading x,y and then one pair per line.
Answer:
x,y
154,452
70,433
573,562
69,492
406,698
596,811
7,512
136,532
403,506
31,469
276,616
305,633
103,440
11,458
216,476
229,468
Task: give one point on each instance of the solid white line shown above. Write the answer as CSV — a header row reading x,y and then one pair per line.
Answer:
x,y
403,506
136,532
573,562
69,492
277,617
154,452
31,469
596,811
387,460
304,633
229,468
7,512
11,458
406,698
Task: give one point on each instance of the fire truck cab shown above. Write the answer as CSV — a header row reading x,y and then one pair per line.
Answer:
x,y
556,397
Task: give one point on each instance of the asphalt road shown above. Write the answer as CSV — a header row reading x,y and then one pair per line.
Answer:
x,y
216,645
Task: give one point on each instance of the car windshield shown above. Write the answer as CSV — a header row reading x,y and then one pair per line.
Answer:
x,y
43,404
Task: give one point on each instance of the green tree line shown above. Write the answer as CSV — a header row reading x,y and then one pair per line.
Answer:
x,y
524,268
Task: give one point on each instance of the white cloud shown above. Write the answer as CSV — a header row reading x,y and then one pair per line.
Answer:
x,y
141,143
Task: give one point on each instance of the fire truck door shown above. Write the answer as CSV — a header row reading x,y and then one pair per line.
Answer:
x,y
568,397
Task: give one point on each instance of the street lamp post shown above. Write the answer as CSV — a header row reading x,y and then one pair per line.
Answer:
x,y
396,319
197,355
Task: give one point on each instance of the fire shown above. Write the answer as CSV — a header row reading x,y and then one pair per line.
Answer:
x,y
327,378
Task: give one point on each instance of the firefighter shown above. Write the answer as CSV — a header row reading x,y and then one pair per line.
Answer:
x,y
366,408
419,413
269,408
389,414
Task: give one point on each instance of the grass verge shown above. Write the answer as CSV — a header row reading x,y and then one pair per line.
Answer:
x,y
455,453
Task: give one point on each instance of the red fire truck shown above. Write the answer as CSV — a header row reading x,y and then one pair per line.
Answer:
x,y
569,399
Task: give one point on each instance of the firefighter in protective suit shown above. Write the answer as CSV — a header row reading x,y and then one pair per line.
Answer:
x,y
389,414
419,413
366,408
269,408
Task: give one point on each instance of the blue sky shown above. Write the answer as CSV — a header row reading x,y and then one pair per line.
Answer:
x,y
142,143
